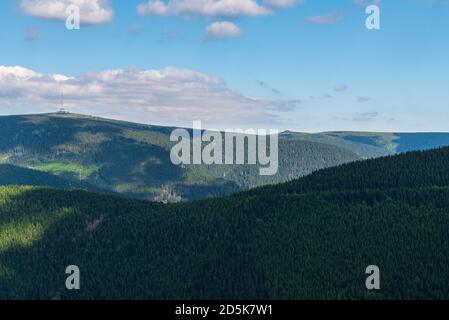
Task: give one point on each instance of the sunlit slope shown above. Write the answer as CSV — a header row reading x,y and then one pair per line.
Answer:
x,y
134,159
17,176
311,238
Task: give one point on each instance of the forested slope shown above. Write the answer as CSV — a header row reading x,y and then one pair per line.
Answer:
x,y
375,144
134,159
308,239
17,176
408,170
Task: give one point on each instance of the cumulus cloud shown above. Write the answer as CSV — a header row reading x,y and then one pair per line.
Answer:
x,y
203,8
213,8
91,11
220,9
222,30
170,96
280,3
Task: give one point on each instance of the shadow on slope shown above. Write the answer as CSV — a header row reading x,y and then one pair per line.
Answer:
x,y
279,246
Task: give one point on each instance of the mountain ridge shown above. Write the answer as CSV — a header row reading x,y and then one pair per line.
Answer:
x,y
260,244
134,159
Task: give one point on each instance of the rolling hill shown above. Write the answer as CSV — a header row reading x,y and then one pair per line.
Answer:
x,y
311,238
375,144
134,159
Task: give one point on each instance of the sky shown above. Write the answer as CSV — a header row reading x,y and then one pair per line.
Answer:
x,y
304,65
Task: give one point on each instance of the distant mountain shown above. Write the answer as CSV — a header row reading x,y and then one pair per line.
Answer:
x,y
311,238
419,141
375,144
134,159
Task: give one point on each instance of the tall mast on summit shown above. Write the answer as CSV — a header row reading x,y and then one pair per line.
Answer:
x,y
62,109
62,100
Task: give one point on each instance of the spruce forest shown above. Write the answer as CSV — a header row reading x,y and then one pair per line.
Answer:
x,y
310,238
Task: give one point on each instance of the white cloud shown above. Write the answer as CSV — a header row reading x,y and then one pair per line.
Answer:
x,y
169,96
222,30
280,3
91,11
206,8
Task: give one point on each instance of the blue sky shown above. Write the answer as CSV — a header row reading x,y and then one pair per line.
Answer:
x,y
282,69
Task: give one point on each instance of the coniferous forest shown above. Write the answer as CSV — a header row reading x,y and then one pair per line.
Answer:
x,y
218,158
310,238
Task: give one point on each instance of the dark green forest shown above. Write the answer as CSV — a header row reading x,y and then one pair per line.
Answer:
x,y
311,238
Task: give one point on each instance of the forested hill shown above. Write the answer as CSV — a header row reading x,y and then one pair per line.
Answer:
x,y
309,239
375,144
134,159
408,170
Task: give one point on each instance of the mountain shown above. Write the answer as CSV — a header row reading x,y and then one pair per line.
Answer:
x,y
375,144
134,159
311,238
